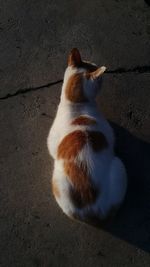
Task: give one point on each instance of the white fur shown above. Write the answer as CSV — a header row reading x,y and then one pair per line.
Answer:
x,y
106,170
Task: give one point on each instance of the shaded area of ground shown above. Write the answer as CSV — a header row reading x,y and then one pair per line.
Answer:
x,y
133,221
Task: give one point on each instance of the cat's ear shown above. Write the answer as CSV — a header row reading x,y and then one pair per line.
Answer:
x,y
97,73
74,58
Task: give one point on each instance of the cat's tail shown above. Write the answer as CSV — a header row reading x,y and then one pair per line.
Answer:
x,y
91,216
95,216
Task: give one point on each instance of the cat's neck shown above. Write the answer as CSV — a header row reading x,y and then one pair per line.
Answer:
x,y
75,109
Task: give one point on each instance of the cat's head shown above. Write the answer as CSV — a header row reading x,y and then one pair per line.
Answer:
x,y
82,78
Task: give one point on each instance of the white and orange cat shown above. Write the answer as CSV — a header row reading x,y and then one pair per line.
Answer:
x,y
88,180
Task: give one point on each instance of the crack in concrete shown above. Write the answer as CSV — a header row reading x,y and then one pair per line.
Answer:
x,y
30,89
138,69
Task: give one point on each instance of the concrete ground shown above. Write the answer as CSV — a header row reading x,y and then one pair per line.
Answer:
x,y
35,38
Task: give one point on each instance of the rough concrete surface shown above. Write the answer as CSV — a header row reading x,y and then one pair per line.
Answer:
x,y
35,37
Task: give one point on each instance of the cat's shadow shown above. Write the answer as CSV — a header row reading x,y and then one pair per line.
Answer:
x,y
132,222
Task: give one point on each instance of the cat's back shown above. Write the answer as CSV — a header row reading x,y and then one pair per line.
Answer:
x,y
86,144
83,160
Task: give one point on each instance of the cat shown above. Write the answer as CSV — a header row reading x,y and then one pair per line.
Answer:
x,y
88,180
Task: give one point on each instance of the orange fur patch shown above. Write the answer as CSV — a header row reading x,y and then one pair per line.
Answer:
x,y
74,90
97,140
83,120
88,66
74,58
82,191
71,145
55,189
